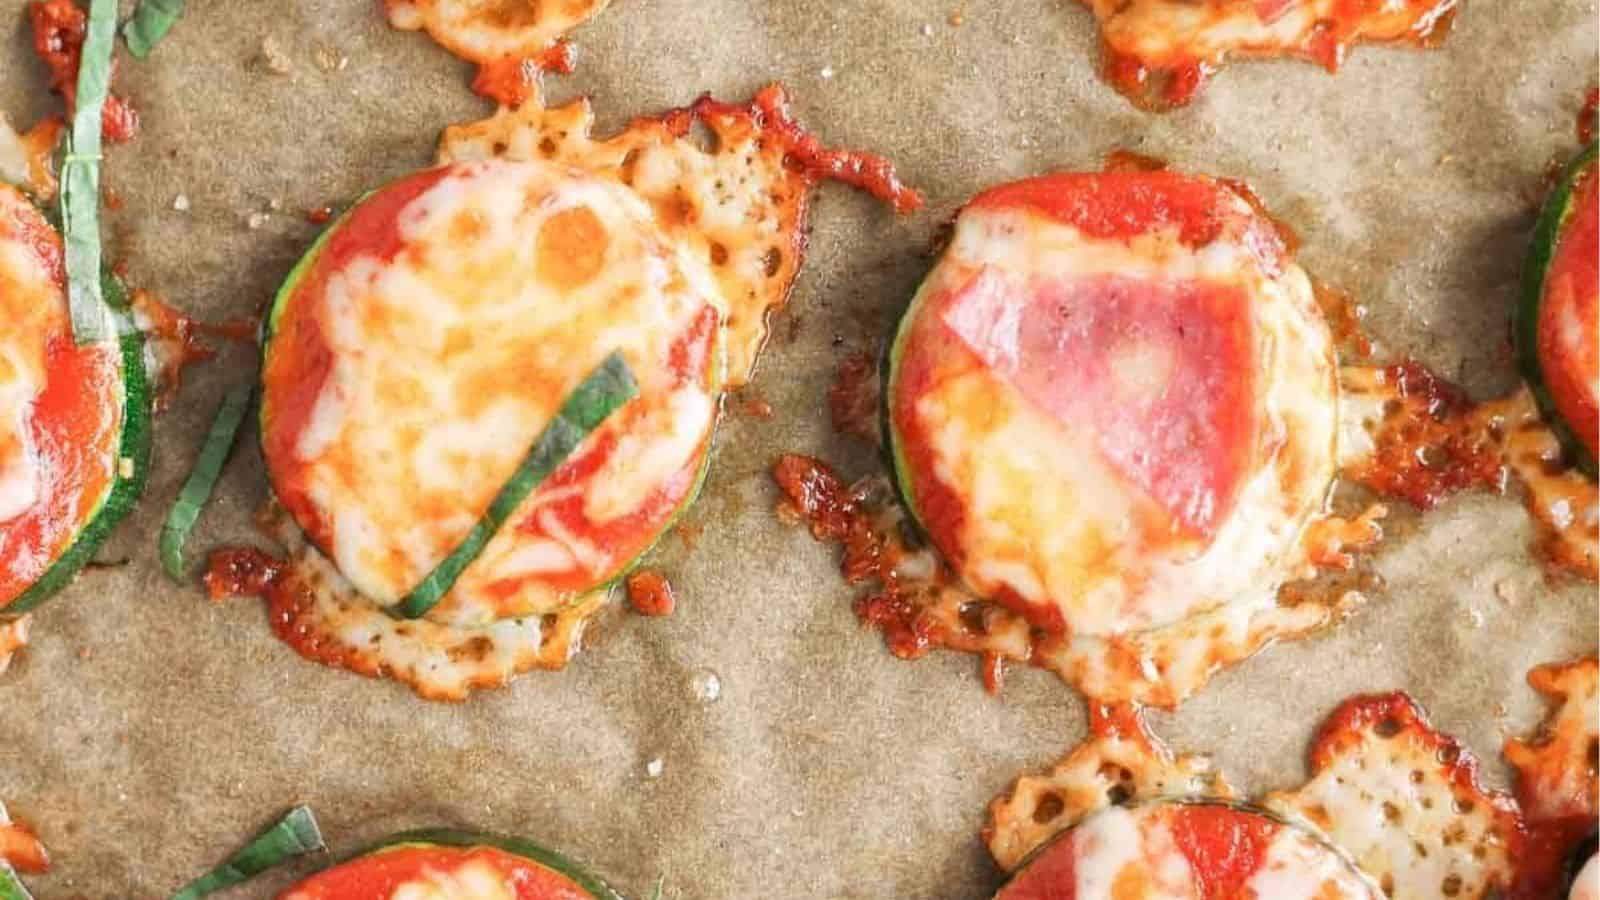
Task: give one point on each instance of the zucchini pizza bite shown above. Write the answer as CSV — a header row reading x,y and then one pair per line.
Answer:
x,y
1111,404
430,337
447,323
454,865
74,418
1558,323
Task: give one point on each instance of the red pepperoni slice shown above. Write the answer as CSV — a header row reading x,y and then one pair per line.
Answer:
x,y
376,876
1161,372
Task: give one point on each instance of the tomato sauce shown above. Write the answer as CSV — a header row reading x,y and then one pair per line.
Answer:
x,y
379,875
1122,204
805,153
58,33
513,80
75,424
651,593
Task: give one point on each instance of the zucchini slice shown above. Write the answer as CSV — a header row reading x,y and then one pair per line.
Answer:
x,y
372,875
1555,328
104,383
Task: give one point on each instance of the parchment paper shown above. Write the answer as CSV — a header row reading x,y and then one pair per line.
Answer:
x,y
146,733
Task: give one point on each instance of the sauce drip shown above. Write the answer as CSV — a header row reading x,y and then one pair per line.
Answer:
x,y
651,594
58,33
512,81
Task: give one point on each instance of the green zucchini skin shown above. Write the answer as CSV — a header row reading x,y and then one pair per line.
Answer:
x,y
543,856
894,460
133,445
1546,236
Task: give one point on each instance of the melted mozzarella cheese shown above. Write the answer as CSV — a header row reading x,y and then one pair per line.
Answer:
x,y
487,30
1298,868
1389,792
739,205
1166,31
450,358
1048,520
31,308
473,880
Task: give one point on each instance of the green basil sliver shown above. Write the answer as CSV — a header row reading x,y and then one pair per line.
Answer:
x,y
11,887
80,179
600,394
150,22
202,480
294,835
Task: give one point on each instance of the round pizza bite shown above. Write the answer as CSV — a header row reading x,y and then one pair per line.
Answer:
x,y
74,419
1187,851
1111,405
1558,327
433,335
454,865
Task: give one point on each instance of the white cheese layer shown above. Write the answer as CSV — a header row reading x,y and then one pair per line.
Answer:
x,y
31,307
1296,867
1045,515
1587,885
449,359
1123,854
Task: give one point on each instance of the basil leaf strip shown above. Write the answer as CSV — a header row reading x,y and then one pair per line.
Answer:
x,y
605,389
202,480
150,22
80,179
11,887
294,835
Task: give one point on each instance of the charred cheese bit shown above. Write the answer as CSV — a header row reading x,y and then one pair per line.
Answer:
x,y
485,31
1112,402
1120,762
1407,433
1159,52
423,346
1556,769
316,612
1187,851
919,604
1406,803
740,205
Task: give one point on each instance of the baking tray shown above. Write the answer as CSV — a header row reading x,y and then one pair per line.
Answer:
x,y
148,732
